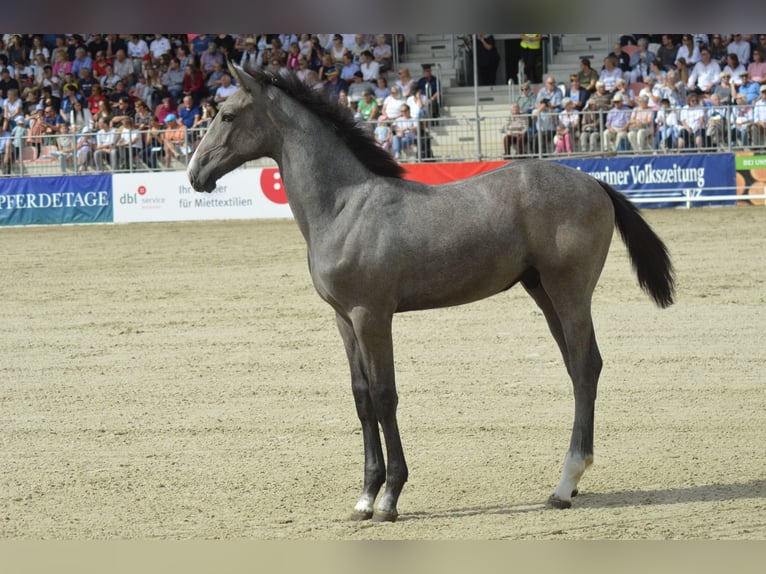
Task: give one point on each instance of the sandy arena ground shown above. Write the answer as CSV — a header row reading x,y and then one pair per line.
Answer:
x,y
182,381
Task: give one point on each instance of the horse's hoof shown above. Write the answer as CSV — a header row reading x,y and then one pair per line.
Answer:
x,y
384,516
358,515
575,492
555,502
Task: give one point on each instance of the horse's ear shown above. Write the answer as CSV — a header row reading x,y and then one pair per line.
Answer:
x,y
244,80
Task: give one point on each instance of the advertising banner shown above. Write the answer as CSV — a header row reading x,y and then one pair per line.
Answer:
x,y
168,196
751,177
56,200
667,176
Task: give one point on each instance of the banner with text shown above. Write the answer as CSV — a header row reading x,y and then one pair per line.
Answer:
x,y
55,200
682,176
167,196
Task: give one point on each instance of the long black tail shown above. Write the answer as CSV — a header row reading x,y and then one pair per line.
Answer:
x,y
648,253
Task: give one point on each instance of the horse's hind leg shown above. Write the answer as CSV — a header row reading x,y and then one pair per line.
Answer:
x,y
374,464
574,330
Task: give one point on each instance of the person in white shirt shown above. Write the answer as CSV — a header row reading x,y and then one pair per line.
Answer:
x,y
705,75
159,46
758,131
688,50
741,47
226,89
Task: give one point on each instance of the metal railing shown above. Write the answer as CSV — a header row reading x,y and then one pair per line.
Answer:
x,y
480,138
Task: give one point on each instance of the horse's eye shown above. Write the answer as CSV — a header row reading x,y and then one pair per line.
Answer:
x,y
228,117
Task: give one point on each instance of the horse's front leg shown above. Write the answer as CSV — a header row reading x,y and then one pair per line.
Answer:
x,y
373,334
374,465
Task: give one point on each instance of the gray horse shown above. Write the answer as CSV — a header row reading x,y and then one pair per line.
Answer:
x,y
379,244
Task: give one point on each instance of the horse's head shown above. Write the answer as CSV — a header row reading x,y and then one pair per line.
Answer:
x,y
239,132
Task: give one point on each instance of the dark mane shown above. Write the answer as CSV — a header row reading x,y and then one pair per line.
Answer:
x,y
358,140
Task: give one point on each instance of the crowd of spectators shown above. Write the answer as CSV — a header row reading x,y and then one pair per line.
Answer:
x,y
691,92
100,88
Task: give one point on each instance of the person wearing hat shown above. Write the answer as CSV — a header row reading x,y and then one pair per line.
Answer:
x,y
174,139
334,84
249,54
749,87
724,89
615,135
429,87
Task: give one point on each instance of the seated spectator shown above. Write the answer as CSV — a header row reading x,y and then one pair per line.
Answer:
x,y
615,135
735,68
123,111
691,132
515,132
576,93
104,112
417,104
159,47
173,78
673,89
666,120
621,59
293,57
137,48
382,91
741,119
587,76
367,107
86,82
166,107
740,47
724,89
641,127
109,79
194,83
640,61
705,75
209,58
526,99
174,140
99,64
628,97
688,50
80,117
749,87
393,104
591,120
715,122
757,68
382,53
383,134
214,78
249,56
81,60
122,66
610,73
567,126
106,138
369,67
225,90
334,85
405,129
718,49
357,86
336,51
349,68
405,81
360,45
128,145
188,112
120,90
758,130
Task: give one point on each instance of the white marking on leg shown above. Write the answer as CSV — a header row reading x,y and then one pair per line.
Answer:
x,y
574,467
365,505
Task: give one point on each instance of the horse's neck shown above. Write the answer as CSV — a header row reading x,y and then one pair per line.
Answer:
x,y
318,176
